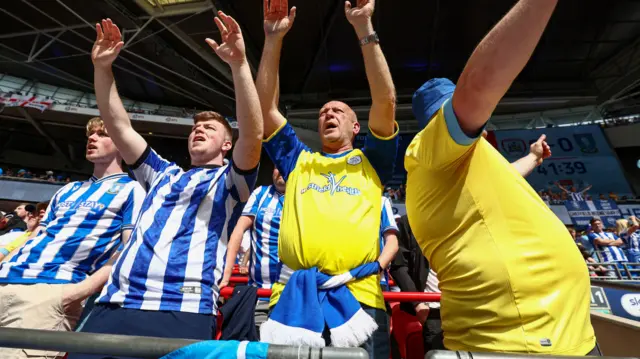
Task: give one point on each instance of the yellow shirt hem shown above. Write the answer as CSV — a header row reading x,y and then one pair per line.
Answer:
x,y
581,349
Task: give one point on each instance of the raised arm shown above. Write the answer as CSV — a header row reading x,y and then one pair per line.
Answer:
x,y
383,92
105,50
277,22
246,154
561,187
584,191
538,152
497,61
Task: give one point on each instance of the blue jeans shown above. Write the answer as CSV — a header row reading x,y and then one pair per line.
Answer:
x,y
378,346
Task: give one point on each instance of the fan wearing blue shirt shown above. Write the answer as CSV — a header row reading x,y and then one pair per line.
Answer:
x,y
166,282
43,284
261,217
607,243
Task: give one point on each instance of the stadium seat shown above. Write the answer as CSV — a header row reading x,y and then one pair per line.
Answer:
x,y
407,331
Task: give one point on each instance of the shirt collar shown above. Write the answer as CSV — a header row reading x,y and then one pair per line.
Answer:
x,y
95,179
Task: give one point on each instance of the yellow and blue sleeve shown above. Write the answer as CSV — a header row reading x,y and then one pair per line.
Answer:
x,y
381,152
442,142
284,149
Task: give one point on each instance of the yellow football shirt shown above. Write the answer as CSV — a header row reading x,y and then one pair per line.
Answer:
x,y
331,213
511,277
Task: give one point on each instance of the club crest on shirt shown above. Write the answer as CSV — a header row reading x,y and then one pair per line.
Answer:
x,y
355,160
332,187
115,188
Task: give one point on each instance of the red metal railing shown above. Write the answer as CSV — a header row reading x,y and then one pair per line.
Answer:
x,y
227,292
238,278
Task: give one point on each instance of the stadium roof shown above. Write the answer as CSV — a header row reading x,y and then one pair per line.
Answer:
x,y
589,55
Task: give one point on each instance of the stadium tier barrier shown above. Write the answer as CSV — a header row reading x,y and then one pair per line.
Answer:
x,y
145,347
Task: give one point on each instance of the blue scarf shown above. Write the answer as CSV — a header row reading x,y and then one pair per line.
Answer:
x,y
309,300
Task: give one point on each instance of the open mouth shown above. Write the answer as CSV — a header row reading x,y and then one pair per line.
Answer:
x,y
91,147
199,138
330,126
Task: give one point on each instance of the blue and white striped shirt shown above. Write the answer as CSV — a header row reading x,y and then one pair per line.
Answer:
x,y
176,256
609,253
576,196
633,241
265,206
387,223
82,229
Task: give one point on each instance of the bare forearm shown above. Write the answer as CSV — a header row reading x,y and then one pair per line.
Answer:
x,y
383,92
526,165
267,84
250,124
116,119
498,60
233,247
389,251
93,283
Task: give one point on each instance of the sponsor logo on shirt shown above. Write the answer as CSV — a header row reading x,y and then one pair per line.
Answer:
x,y
91,205
332,187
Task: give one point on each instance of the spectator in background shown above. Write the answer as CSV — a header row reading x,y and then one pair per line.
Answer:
x,y
595,270
17,226
573,193
8,248
12,222
613,196
606,243
388,237
22,211
631,236
261,217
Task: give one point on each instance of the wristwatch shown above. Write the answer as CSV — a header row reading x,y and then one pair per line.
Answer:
x,y
373,38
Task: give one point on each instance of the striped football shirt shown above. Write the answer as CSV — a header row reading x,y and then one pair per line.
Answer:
x,y
387,223
82,229
175,258
265,206
609,253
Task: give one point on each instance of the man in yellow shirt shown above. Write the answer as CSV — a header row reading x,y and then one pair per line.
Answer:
x,y
332,210
511,277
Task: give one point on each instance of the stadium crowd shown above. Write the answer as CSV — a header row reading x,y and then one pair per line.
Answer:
x,y
155,249
27,174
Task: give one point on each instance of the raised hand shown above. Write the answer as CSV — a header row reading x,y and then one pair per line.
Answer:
x,y
108,44
277,19
541,149
361,14
232,49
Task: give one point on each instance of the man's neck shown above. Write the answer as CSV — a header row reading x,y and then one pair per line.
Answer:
x,y
101,170
218,161
338,151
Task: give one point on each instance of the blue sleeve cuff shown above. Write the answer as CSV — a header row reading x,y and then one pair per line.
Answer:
x,y
4,251
455,131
